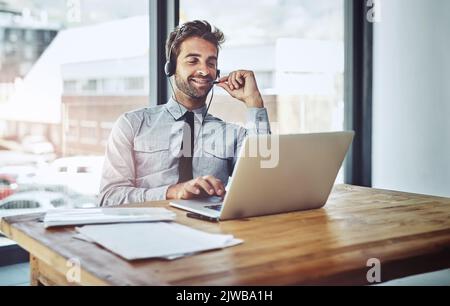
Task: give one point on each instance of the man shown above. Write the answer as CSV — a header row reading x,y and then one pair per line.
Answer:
x,y
177,150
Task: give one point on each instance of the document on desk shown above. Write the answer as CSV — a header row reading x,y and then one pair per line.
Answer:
x,y
63,217
167,240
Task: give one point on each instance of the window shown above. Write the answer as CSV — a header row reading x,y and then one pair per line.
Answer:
x,y
5,182
29,35
134,84
89,86
47,36
83,170
88,132
70,87
28,53
13,35
295,48
67,74
21,204
111,86
58,202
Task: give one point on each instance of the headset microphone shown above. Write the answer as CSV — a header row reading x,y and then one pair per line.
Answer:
x,y
216,81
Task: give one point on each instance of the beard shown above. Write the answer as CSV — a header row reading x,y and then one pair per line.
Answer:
x,y
190,90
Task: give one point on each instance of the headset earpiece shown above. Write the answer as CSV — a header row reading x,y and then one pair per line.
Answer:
x,y
169,69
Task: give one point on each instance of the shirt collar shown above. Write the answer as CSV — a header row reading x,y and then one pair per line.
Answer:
x,y
177,110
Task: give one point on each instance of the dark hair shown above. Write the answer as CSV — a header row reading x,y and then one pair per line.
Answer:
x,y
196,28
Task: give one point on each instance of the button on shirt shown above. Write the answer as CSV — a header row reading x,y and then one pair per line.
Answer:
x,y
144,149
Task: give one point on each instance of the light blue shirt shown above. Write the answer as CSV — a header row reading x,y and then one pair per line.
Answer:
x,y
143,151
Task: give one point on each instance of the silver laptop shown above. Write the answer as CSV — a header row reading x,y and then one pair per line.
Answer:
x,y
301,179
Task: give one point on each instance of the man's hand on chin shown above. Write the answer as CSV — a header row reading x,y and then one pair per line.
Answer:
x,y
241,85
198,187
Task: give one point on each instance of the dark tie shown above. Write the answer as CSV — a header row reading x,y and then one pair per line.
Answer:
x,y
187,149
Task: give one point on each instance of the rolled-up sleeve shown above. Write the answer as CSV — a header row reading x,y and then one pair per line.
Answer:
x,y
257,124
257,121
118,175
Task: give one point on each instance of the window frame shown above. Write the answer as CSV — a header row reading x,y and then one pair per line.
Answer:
x,y
358,80
163,17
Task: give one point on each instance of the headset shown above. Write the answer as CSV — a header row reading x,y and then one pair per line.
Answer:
x,y
170,66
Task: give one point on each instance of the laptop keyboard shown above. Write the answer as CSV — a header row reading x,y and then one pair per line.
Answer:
x,y
215,207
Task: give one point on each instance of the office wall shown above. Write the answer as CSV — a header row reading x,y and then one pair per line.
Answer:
x,y
411,106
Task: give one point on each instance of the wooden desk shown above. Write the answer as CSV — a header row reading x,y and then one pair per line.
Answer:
x,y
408,233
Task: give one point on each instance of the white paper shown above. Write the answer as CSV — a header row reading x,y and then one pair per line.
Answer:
x,y
61,217
154,240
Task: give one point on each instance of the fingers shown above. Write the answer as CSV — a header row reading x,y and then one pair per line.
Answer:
x,y
209,184
226,87
205,185
195,187
219,189
234,80
191,188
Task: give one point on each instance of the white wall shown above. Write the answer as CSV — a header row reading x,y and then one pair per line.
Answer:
x,y
411,114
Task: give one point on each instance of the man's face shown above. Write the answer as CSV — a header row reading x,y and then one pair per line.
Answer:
x,y
196,67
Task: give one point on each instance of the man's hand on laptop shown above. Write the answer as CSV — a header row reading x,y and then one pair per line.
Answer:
x,y
199,187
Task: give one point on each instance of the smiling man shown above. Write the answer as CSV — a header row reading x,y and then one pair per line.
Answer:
x,y
178,150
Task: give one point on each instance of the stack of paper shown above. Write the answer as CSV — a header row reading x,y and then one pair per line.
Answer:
x,y
62,217
154,240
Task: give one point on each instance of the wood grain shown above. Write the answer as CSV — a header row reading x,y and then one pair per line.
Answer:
x,y
408,233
